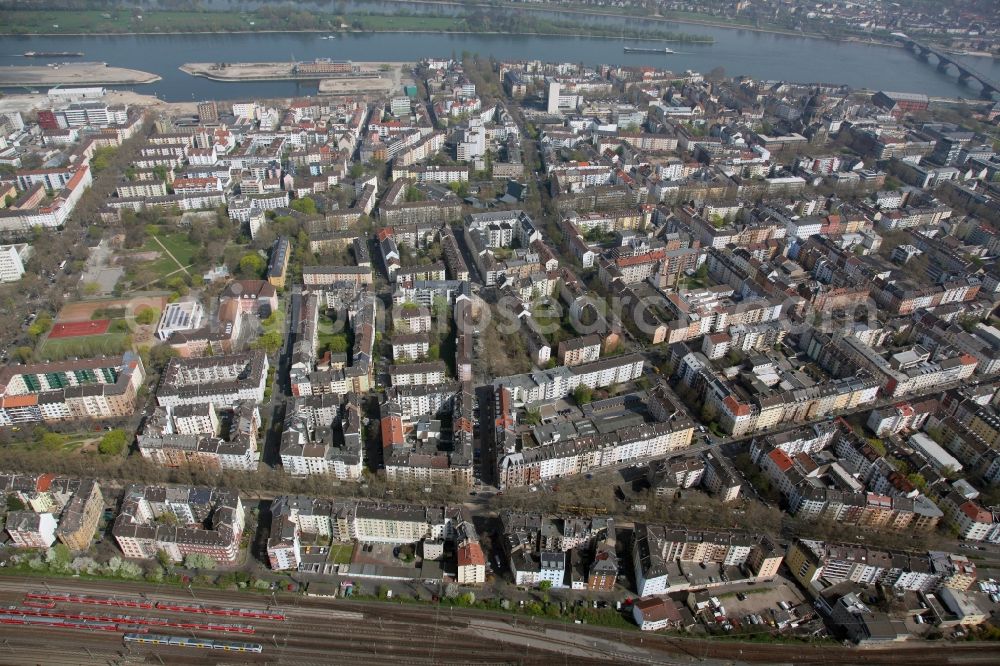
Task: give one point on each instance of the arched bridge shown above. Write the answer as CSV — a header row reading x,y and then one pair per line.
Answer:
x,y
945,61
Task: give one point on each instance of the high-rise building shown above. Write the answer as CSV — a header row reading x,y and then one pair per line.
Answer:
x,y
208,112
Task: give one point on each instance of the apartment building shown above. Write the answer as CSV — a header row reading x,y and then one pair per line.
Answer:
x,y
577,351
324,276
221,380
28,529
180,521
818,564
188,434
856,486
471,564
662,558
75,507
561,381
99,388
81,515
349,520
310,443
969,518
46,211
277,267
418,374
557,550
908,371
12,261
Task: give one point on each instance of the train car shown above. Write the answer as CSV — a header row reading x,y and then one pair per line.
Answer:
x,y
87,599
40,604
262,614
60,623
238,646
149,639
197,643
179,607
207,625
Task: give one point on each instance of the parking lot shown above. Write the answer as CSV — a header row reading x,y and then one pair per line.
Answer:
x,y
760,599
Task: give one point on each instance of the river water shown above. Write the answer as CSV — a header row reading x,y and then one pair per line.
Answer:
x,y
756,54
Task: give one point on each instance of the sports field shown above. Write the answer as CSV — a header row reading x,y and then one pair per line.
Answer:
x,y
76,329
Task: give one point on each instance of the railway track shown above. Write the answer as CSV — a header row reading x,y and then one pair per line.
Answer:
x,y
379,633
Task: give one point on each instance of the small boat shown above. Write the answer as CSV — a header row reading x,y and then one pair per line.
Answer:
x,y
52,54
664,50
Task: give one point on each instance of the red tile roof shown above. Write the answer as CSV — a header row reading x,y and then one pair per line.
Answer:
x,y
471,554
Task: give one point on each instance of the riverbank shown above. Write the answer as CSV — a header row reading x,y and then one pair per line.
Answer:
x,y
74,74
496,21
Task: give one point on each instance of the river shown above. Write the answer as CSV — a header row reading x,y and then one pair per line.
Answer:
x,y
740,52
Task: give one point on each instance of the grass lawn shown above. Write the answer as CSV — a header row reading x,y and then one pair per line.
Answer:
x,y
72,443
107,344
340,553
178,245
326,332
276,320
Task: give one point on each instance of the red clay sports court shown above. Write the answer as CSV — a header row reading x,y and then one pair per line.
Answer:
x,y
77,329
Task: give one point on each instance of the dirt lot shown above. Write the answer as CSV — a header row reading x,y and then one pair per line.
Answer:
x,y
72,74
357,85
84,310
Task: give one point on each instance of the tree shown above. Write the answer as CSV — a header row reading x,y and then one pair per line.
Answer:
x,y
159,356
147,315
304,205
251,265
918,480
270,342
163,557
583,394
532,417
545,585
337,344
40,326
113,443
878,445
198,561
52,440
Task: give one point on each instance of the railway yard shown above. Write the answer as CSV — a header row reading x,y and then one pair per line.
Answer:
x,y
137,623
